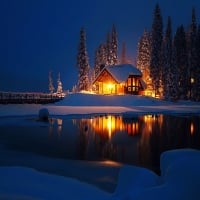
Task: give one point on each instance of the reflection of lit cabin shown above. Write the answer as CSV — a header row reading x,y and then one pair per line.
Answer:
x,y
131,125
119,79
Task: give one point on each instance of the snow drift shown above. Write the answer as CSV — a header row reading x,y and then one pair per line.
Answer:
x,y
180,179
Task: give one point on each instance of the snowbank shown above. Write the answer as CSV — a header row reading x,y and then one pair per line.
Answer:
x,y
180,179
81,99
24,183
133,181
81,103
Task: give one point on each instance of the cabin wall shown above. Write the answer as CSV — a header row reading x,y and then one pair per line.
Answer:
x,y
108,88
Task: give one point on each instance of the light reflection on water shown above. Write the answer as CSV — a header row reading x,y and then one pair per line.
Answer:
x,y
137,140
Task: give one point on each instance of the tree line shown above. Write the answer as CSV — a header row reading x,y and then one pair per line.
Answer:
x,y
171,63
106,54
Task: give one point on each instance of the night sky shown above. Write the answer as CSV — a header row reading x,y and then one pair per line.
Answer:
x,y
37,36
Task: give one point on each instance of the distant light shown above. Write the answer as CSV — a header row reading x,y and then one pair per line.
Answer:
x,y
191,128
192,80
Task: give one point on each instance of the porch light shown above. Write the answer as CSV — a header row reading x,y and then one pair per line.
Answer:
x,y
110,86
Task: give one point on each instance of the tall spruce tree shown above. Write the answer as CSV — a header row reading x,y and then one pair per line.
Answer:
x,y
167,59
59,85
192,57
114,46
143,55
180,61
51,87
197,77
156,46
83,63
97,62
108,50
100,59
173,77
123,55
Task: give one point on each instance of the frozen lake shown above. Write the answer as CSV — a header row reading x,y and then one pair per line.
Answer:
x,y
134,140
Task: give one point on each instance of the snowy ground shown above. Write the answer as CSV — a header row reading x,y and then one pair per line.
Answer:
x,y
87,104
180,175
180,179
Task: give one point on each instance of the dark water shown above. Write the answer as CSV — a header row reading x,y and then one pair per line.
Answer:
x,y
132,140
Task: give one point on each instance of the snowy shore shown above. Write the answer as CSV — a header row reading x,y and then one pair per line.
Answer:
x,y
89,104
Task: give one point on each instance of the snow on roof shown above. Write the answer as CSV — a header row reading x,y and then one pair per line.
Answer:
x,y
121,72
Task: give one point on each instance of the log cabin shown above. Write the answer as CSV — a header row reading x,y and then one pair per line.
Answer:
x,y
119,80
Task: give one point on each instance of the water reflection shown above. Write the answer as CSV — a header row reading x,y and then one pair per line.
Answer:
x,y
55,122
191,128
137,140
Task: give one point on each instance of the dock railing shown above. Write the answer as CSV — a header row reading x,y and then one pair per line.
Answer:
x,y
29,97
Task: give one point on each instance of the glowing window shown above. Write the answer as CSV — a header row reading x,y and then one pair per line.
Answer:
x,y
129,81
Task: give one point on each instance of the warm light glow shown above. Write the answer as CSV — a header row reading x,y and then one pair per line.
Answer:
x,y
59,123
191,128
111,163
107,125
132,128
192,80
110,86
148,122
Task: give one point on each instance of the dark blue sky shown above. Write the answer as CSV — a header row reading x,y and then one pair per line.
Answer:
x,y
41,35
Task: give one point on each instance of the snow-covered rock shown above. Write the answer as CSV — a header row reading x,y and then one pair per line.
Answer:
x,y
43,114
168,158
180,177
133,180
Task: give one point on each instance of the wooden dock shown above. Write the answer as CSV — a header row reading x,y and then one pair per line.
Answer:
x,y
29,98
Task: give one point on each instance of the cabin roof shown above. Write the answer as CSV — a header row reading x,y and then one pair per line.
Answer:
x,y
121,72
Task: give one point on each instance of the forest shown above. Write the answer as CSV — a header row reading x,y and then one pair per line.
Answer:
x,y
170,63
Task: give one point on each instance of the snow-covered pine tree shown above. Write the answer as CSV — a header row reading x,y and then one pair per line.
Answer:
x,y
123,55
100,59
180,60
74,89
59,85
167,59
173,77
114,46
96,62
156,45
83,63
51,87
91,78
108,50
192,57
143,56
197,77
